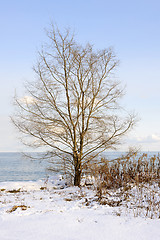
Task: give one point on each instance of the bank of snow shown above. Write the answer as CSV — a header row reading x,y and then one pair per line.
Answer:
x,y
45,211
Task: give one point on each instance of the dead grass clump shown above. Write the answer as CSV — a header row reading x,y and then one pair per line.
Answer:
x,y
43,188
2,189
123,171
14,191
68,199
132,180
14,208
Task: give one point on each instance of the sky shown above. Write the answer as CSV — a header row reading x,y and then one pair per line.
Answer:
x,y
132,28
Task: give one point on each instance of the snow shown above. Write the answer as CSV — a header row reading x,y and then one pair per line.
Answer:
x,y
54,211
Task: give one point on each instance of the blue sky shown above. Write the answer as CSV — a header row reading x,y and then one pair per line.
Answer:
x,y
131,27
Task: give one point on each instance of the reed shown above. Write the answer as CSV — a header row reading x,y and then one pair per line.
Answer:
x,y
132,181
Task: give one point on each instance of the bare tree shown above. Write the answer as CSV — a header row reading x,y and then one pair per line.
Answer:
x,y
72,106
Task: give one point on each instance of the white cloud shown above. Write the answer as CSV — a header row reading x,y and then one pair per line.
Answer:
x,y
155,137
145,139
28,100
149,142
8,140
149,139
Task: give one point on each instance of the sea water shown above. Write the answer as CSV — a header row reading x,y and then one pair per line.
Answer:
x,y
15,167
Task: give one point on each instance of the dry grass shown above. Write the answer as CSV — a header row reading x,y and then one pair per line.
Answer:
x,y
14,191
132,181
14,208
134,169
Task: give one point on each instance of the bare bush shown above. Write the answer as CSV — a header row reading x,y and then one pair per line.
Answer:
x,y
132,180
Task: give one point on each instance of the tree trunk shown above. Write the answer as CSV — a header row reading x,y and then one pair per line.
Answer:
x,y
78,171
77,178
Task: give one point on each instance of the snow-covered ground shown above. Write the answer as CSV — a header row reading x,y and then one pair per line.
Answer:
x,y
51,211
